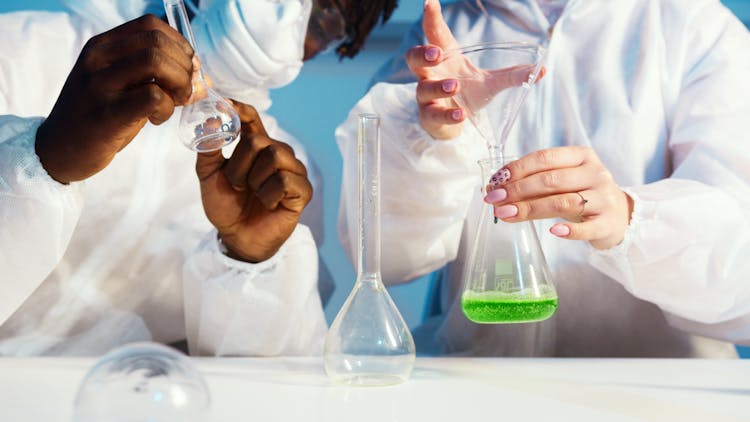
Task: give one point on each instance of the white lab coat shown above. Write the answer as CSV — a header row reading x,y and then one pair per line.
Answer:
x,y
659,89
128,255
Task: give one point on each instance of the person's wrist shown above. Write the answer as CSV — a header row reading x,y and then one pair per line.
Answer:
x,y
231,249
50,157
619,234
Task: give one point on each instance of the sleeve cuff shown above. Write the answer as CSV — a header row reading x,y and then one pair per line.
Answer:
x,y
212,246
216,248
20,158
615,262
636,220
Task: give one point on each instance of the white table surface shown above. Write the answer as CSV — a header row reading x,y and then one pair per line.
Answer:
x,y
441,389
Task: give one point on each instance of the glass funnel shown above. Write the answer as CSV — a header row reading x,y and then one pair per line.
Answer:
x,y
369,342
142,382
507,279
493,81
209,123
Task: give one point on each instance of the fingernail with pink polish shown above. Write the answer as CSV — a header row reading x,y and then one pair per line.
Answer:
x,y
496,195
449,85
560,230
457,114
506,211
500,178
431,54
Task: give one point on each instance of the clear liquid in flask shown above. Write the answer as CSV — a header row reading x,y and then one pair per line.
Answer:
x,y
369,343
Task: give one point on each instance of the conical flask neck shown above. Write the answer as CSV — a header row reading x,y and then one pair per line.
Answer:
x,y
491,165
491,175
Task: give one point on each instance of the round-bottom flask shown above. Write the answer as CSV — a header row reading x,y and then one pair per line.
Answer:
x,y
142,382
507,279
210,123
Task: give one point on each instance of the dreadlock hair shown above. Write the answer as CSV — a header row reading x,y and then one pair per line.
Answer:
x,y
361,17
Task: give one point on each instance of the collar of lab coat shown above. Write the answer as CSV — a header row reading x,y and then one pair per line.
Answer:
x,y
529,12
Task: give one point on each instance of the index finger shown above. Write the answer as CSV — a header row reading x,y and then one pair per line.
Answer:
x,y
422,58
545,160
144,23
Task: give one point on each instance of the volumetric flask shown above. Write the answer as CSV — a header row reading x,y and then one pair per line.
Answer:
x,y
209,123
507,279
142,382
369,342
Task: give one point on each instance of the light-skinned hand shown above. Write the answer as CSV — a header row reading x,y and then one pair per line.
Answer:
x,y
565,182
439,114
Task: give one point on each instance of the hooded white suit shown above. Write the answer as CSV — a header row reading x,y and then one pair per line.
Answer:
x,y
659,89
128,254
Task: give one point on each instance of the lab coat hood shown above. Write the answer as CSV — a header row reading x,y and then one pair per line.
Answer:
x,y
246,46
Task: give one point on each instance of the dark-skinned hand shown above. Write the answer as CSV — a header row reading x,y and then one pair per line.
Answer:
x,y
123,78
254,198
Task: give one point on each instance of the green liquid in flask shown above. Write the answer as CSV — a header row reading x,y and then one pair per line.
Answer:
x,y
499,307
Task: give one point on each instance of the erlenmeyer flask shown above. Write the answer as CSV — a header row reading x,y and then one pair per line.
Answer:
x,y
507,279
494,79
209,123
369,342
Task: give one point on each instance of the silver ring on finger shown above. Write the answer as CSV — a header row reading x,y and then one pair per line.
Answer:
x,y
583,203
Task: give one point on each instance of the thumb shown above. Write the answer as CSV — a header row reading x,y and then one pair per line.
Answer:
x,y
208,163
434,27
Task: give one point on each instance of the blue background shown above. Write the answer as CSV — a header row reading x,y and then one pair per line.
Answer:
x,y
319,100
